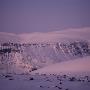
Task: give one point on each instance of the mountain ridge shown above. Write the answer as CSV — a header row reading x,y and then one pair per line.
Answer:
x,y
27,52
64,35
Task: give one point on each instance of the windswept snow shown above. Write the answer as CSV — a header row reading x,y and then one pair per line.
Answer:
x,y
78,65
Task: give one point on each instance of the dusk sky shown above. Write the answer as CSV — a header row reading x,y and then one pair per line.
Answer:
x,y
23,16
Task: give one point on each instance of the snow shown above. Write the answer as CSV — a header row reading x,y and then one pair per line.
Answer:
x,y
43,82
67,75
50,78
62,35
78,65
8,37
41,49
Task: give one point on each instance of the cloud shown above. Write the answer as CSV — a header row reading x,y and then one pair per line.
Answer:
x,y
62,35
68,34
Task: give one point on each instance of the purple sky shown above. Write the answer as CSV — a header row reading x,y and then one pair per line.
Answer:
x,y
21,16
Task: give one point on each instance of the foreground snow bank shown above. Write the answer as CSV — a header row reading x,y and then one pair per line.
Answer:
x,y
44,82
79,65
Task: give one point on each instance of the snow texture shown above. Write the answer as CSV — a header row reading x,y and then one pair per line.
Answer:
x,y
57,60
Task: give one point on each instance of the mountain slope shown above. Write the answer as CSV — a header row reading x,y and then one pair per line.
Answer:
x,y
63,35
37,50
38,37
79,65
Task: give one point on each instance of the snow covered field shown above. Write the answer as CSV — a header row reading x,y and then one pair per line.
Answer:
x,y
44,82
61,76
78,65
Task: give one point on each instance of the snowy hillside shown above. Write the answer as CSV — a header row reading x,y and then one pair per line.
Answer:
x,y
81,65
28,52
57,36
45,61
8,37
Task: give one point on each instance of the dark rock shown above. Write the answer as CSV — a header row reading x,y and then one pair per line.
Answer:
x,y
60,83
79,80
7,76
58,87
11,79
72,79
31,78
88,80
64,76
41,86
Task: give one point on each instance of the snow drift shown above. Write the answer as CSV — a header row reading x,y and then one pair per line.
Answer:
x,y
79,65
